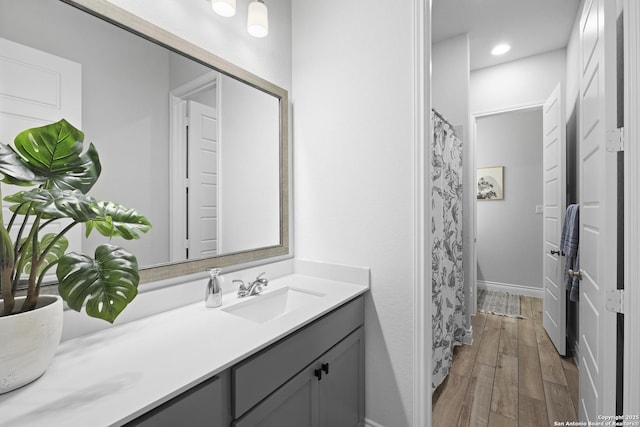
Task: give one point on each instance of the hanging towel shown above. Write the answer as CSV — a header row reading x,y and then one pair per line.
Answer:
x,y
569,246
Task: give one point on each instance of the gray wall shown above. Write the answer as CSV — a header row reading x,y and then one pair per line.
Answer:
x,y
509,231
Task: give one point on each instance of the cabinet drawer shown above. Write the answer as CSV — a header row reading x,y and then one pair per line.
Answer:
x,y
258,376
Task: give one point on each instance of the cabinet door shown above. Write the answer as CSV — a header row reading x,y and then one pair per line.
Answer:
x,y
342,385
200,406
257,377
295,404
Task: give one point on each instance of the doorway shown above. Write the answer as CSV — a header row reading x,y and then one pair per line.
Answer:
x,y
195,165
509,224
630,392
512,370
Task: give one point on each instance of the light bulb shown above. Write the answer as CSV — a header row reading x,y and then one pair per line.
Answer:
x,y
224,8
500,49
258,19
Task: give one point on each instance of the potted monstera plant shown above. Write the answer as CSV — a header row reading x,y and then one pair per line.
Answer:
x,y
52,161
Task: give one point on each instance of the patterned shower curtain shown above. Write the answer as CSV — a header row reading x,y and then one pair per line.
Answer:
x,y
446,229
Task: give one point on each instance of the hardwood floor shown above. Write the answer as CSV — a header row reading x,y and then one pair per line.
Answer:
x,y
510,376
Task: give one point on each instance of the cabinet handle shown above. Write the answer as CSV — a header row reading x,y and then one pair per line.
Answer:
x,y
325,368
318,374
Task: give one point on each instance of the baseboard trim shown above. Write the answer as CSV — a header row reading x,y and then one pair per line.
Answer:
x,y
369,423
528,291
468,336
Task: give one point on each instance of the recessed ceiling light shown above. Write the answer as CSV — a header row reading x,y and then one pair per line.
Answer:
x,y
500,49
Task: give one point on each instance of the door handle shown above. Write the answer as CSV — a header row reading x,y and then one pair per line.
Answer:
x,y
325,368
553,252
318,374
575,274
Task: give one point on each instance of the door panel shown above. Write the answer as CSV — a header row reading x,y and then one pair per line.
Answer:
x,y
598,211
38,86
203,180
554,148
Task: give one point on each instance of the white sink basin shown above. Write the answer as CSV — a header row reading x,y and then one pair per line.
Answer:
x,y
270,305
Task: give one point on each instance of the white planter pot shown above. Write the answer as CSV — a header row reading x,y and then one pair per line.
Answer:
x,y
29,341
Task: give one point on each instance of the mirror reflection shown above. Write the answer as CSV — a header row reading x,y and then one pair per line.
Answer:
x,y
196,150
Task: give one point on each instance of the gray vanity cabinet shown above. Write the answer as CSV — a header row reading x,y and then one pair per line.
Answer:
x,y
294,404
327,393
341,391
274,390
313,377
206,404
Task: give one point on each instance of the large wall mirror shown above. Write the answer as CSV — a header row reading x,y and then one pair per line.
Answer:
x,y
196,144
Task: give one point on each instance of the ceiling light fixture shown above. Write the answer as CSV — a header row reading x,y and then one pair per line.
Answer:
x,y
224,8
258,19
500,49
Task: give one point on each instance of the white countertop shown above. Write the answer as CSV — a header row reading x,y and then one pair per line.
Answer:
x,y
111,377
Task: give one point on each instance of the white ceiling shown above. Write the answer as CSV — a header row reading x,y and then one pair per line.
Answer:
x,y
529,26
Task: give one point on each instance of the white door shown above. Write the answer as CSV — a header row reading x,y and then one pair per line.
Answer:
x,y
598,210
202,172
554,199
37,88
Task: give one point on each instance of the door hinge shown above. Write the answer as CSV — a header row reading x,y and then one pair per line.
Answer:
x,y
615,301
615,140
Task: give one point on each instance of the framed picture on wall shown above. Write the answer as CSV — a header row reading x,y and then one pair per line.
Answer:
x,y
490,183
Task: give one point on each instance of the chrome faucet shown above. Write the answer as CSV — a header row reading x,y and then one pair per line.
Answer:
x,y
253,288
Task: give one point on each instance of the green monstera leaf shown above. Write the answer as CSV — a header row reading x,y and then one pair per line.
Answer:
x,y
54,204
56,252
54,154
14,168
116,220
53,158
107,283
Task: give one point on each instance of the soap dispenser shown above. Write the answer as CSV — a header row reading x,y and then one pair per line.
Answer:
x,y
213,295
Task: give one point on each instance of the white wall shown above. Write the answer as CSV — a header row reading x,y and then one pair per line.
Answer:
x,y
509,246
520,83
450,80
249,174
354,180
450,71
